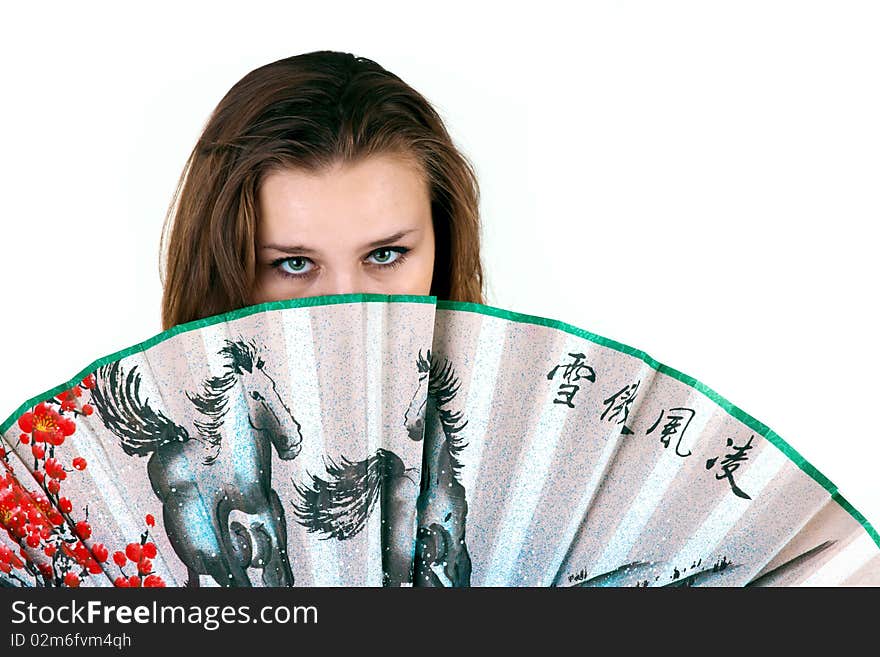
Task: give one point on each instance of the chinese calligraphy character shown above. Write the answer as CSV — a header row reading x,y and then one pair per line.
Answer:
x,y
675,416
730,463
628,394
572,372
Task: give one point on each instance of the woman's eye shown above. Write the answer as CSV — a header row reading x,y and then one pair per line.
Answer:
x,y
385,258
295,266
387,253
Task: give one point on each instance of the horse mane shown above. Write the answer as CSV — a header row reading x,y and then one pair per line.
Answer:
x,y
340,505
213,405
443,384
240,356
140,428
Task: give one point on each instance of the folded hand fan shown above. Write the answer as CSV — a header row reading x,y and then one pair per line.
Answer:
x,y
393,440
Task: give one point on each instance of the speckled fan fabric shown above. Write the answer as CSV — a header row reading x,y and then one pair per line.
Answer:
x,y
397,440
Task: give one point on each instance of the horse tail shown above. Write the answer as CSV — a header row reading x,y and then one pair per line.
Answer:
x,y
140,429
339,507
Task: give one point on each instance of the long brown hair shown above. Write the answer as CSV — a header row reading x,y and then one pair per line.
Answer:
x,y
307,112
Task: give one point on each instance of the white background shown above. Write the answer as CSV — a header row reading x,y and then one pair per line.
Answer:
x,y
695,179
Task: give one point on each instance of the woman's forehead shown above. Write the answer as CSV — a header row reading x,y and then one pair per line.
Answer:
x,y
350,205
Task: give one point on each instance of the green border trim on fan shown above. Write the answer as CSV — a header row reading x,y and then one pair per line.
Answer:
x,y
326,300
735,411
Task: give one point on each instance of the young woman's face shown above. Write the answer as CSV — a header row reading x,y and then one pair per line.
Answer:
x,y
362,228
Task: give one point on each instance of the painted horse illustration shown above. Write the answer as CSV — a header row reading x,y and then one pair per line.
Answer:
x,y
201,480
339,506
441,557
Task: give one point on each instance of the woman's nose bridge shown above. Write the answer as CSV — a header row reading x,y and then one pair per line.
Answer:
x,y
345,281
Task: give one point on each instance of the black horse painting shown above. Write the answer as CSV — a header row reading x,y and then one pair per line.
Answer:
x,y
203,479
339,504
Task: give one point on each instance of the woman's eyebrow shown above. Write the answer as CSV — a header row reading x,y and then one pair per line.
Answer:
x,y
304,249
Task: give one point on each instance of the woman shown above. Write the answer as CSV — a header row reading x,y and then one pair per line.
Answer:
x,y
318,174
